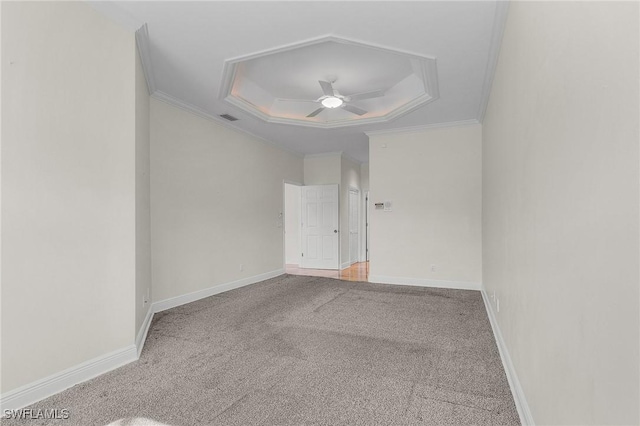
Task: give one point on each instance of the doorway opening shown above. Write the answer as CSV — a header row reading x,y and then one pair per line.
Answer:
x,y
311,226
311,232
354,226
292,219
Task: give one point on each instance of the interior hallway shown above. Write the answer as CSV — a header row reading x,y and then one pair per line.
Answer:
x,y
359,271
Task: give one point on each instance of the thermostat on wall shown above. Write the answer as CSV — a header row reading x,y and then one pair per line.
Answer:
x,y
386,206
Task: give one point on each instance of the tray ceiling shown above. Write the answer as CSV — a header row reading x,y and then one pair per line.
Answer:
x,y
282,85
190,50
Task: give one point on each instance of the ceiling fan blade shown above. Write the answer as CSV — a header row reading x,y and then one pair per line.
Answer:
x,y
354,109
296,100
316,112
366,95
327,88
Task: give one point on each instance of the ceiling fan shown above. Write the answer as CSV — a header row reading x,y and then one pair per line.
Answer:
x,y
333,99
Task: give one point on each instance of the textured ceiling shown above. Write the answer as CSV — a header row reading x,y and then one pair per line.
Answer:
x,y
189,43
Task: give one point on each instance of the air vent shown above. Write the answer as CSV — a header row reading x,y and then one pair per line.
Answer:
x,y
228,117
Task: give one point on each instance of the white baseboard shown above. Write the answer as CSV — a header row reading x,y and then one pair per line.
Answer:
x,y
43,388
421,282
518,394
163,305
144,329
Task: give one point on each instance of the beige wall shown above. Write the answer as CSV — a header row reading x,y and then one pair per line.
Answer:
x,y
322,169
334,168
143,199
68,188
364,185
292,224
560,208
216,197
433,179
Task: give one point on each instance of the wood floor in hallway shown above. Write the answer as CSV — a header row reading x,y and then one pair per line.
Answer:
x,y
357,272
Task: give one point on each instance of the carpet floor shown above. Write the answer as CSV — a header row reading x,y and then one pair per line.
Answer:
x,y
297,350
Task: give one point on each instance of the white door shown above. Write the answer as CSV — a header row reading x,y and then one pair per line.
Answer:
x,y
320,237
354,234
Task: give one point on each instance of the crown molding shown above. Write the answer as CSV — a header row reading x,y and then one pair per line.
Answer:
x,y
350,158
417,129
248,108
339,154
116,14
228,71
144,50
325,154
499,23
166,98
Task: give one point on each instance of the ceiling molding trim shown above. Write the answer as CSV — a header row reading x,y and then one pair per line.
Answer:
x,y
144,49
321,39
430,77
116,14
324,154
417,129
339,154
248,108
350,158
499,23
166,98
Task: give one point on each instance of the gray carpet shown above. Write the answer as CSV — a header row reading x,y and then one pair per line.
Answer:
x,y
299,350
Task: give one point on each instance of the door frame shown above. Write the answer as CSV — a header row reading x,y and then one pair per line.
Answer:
x,y
282,221
367,226
356,192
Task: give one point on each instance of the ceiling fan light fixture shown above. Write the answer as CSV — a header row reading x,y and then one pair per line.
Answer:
x,y
331,102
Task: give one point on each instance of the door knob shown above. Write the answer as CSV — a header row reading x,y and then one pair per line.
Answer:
x,y
335,231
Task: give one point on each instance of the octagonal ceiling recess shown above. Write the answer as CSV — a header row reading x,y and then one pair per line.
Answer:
x,y
285,84
184,45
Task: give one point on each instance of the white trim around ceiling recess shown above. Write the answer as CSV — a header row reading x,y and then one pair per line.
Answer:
x,y
162,96
144,49
228,71
499,22
416,129
429,74
430,78
397,113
